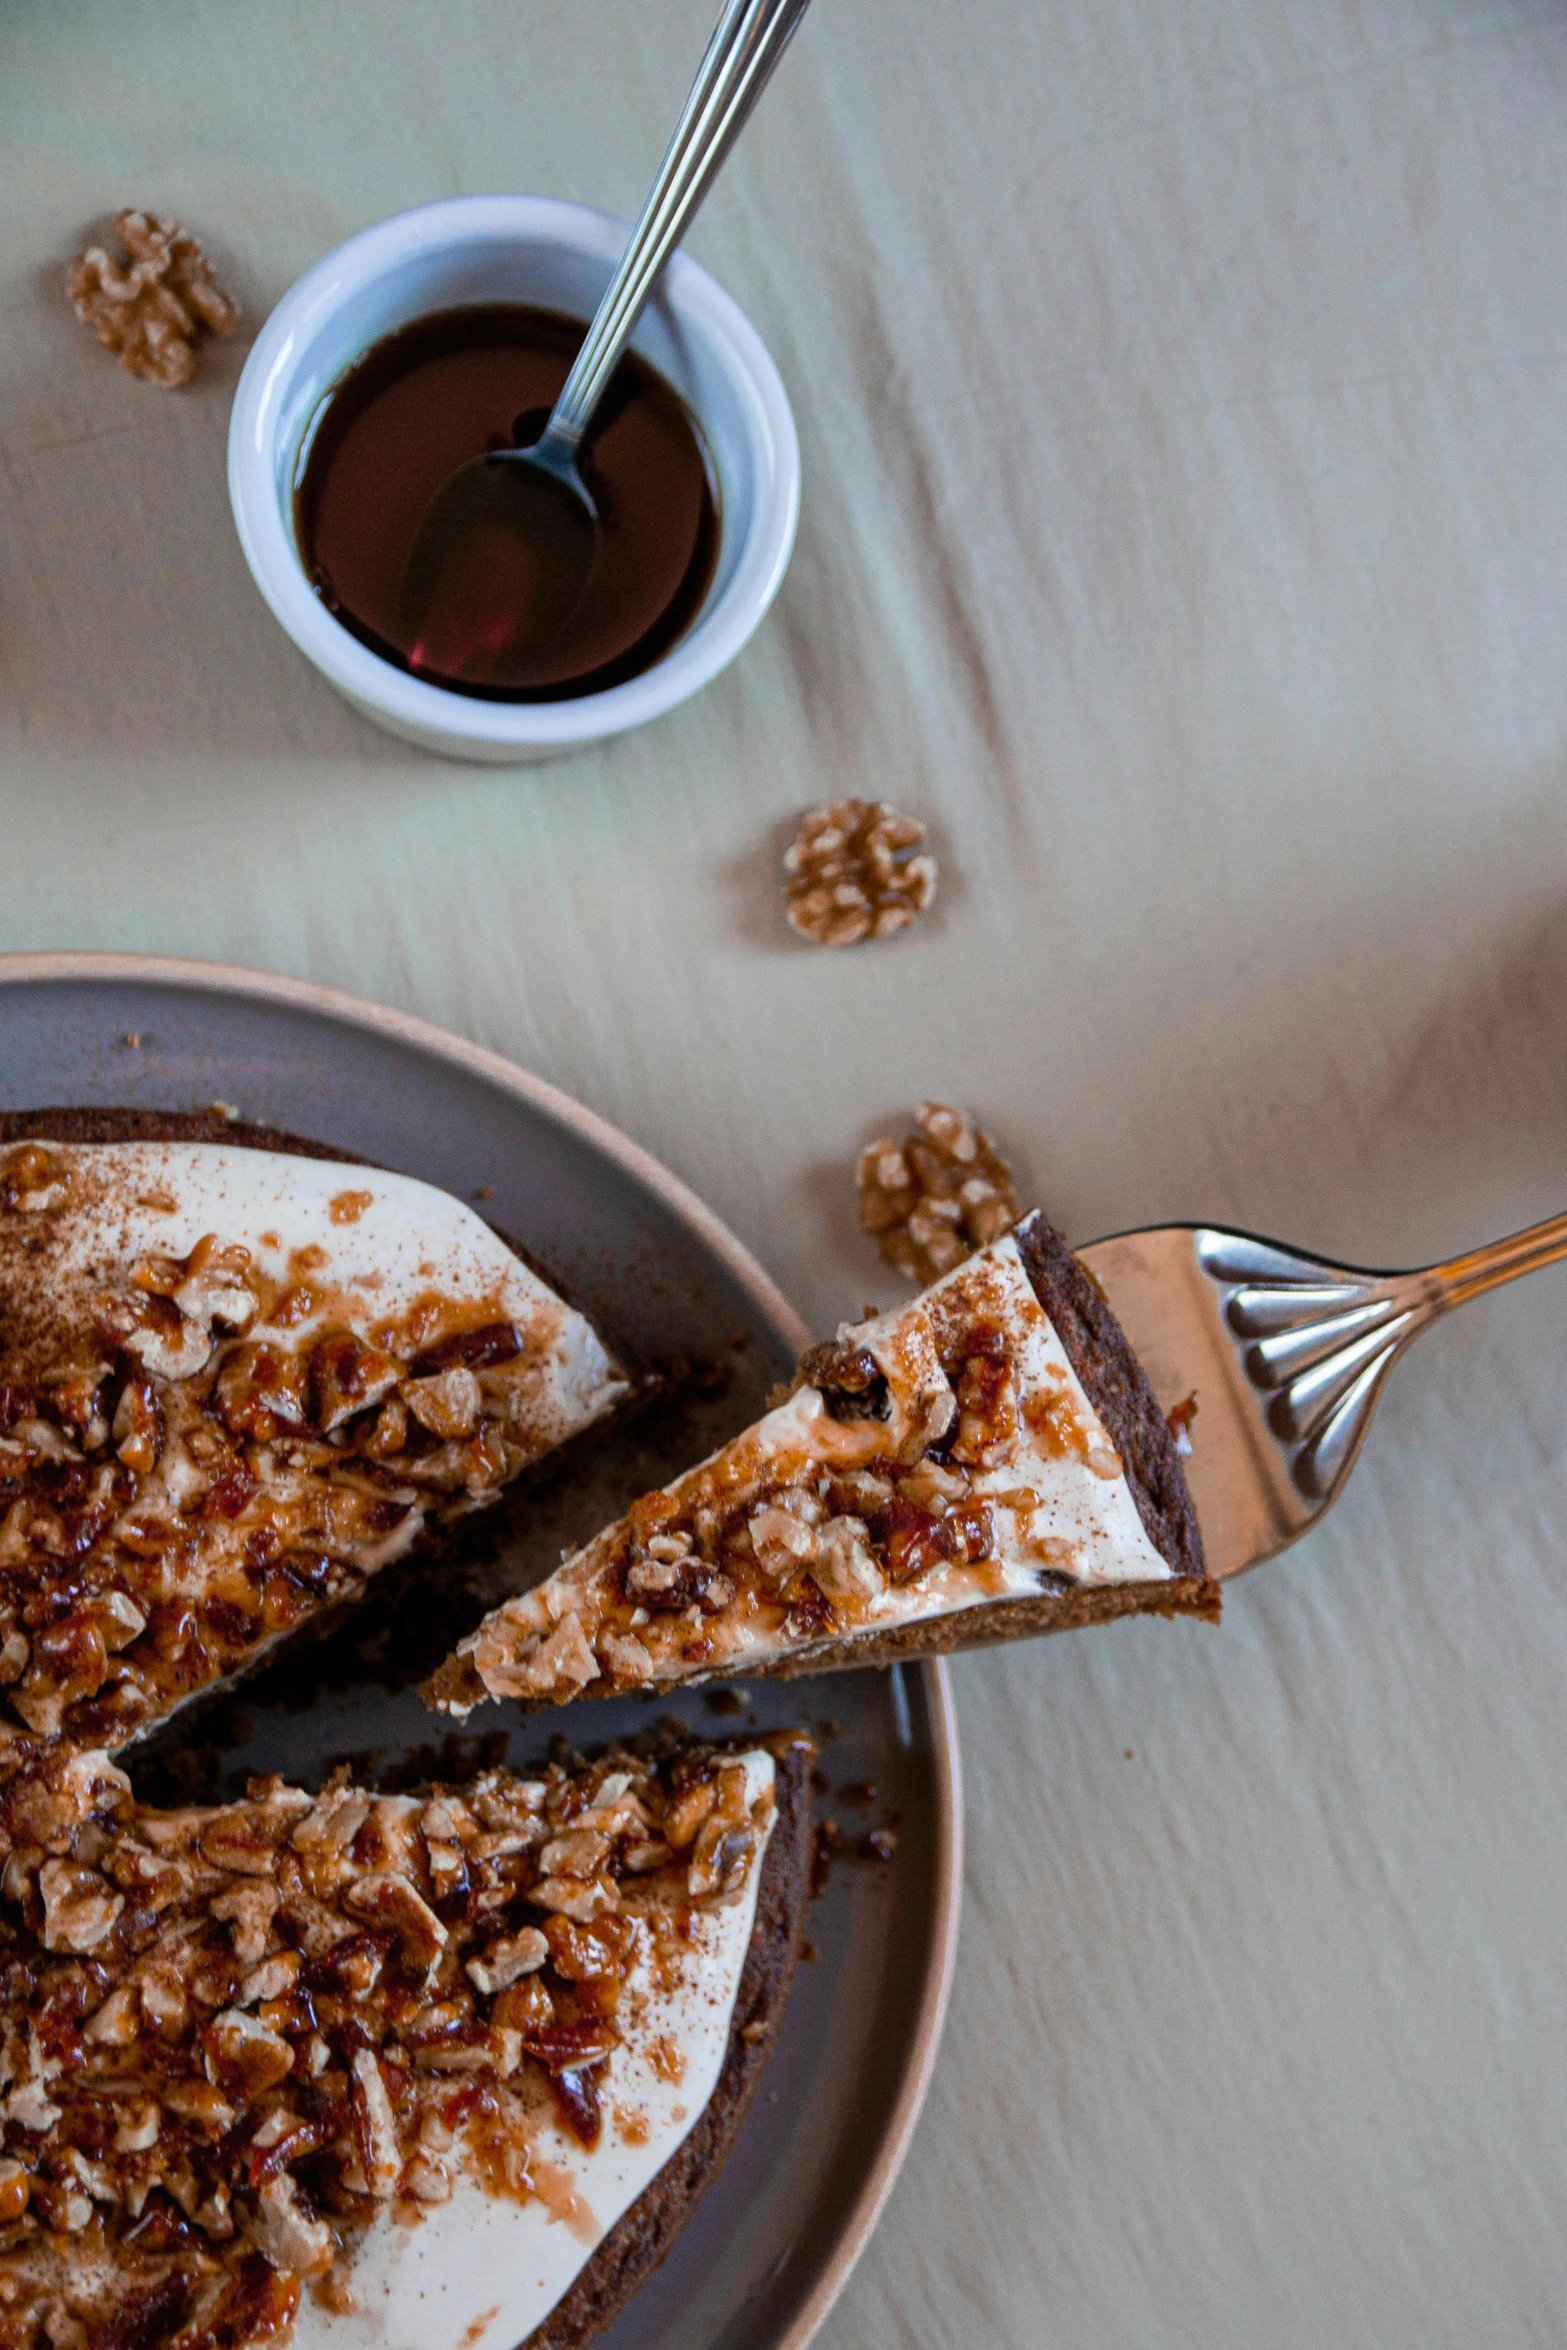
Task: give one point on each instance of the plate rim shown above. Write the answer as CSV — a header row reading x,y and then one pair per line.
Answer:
x,y
309,995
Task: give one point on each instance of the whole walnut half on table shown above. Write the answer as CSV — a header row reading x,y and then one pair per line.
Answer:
x,y
934,1198
156,307
851,872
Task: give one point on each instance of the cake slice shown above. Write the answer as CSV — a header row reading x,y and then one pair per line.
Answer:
x,y
985,1464
348,2071
237,1378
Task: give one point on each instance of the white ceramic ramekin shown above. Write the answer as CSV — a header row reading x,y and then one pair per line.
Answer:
x,y
513,249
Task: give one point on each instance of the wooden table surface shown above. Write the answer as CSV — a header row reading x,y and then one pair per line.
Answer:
x,y
1183,398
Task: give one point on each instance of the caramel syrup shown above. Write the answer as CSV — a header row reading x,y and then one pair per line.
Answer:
x,y
425,399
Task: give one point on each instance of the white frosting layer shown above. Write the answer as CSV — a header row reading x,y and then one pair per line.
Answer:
x,y
384,1241
482,2271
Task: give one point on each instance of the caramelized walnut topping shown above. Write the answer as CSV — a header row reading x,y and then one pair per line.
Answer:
x,y
341,2006
157,306
31,1182
191,1462
936,1196
851,872
853,1384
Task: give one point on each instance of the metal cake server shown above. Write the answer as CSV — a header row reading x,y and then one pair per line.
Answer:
x,y
1279,1359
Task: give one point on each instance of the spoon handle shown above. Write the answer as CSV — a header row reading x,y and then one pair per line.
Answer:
x,y
747,42
1462,1278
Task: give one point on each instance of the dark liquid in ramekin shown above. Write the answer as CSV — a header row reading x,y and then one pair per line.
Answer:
x,y
425,399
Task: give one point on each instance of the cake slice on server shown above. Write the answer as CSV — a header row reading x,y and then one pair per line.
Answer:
x,y
237,1378
348,2071
987,1463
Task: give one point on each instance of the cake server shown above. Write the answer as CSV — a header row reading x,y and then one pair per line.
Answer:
x,y
1271,1362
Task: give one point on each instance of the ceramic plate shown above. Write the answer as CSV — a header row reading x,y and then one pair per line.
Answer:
x,y
773,2241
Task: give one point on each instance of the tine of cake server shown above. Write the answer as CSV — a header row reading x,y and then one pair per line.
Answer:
x,y
1284,1357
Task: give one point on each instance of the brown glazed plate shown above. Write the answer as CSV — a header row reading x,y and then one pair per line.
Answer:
x,y
771,2243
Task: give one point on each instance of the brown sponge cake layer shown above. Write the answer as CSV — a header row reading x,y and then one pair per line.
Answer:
x,y
642,2236
127,1125
1114,1382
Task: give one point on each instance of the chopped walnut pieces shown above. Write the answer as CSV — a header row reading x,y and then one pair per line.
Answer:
x,y
118,2021
244,2056
937,1196
375,2127
845,1564
236,2084
507,1960
392,1902
156,307
286,2234
447,1403
851,872
347,1377
195,1461
79,1908
565,1660
14,2190
250,1909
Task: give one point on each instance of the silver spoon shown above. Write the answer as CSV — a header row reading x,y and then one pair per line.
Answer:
x,y
505,552
1284,1357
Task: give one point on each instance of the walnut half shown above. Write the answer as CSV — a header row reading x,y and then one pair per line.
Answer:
x,y
155,309
851,873
936,1196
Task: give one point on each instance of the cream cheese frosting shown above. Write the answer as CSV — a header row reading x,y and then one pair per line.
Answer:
x,y
484,2269
709,1577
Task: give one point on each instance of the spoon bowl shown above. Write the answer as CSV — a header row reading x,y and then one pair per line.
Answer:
x,y
502,564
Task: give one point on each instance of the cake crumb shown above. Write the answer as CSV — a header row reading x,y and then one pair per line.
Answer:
x,y
851,872
934,1198
155,307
